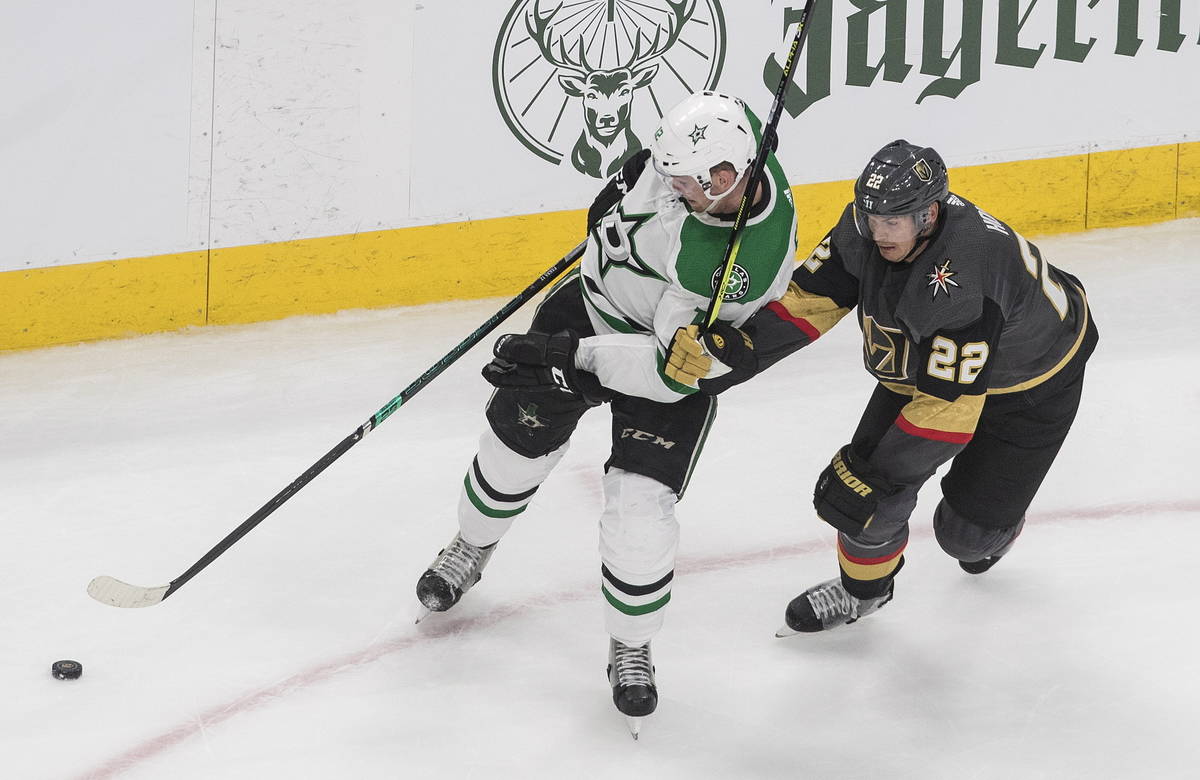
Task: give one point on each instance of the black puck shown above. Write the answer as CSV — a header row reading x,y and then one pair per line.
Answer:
x,y
66,670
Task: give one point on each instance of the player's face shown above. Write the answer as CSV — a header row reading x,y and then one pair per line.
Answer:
x,y
895,236
690,190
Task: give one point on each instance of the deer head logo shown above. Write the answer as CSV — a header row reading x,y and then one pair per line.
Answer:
x,y
616,57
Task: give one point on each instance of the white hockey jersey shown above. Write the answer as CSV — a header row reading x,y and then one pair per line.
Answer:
x,y
651,267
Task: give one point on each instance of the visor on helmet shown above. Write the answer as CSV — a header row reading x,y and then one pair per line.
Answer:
x,y
893,227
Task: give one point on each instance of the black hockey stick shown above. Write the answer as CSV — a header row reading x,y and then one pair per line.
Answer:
x,y
120,594
760,160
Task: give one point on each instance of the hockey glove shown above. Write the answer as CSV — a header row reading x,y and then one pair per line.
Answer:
x,y
716,361
848,491
631,171
542,363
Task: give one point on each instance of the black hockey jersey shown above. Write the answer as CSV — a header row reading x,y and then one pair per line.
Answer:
x,y
978,312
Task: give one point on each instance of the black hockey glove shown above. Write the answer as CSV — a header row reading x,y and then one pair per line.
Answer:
x,y
618,185
718,360
848,491
541,362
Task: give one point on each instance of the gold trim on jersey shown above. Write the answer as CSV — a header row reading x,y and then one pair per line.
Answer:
x,y
957,416
899,389
1058,366
819,311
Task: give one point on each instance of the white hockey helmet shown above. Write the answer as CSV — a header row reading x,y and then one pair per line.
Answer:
x,y
701,132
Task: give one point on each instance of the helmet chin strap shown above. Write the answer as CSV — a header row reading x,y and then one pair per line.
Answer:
x,y
918,245
922,240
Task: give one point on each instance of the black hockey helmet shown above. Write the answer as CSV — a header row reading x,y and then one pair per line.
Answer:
x,y
901,179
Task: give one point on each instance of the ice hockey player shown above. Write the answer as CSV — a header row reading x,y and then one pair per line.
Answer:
x,y
978,345
657,236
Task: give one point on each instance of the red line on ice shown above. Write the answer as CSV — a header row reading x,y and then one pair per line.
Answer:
x,y
443,628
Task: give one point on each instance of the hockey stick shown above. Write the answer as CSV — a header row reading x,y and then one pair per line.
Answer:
x,y
756,170
121,594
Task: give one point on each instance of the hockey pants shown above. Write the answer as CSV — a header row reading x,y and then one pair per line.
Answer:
x,y
655,446
986,492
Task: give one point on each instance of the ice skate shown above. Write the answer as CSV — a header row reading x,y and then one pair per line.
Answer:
x,y
631,674
979,567
827,606
452,573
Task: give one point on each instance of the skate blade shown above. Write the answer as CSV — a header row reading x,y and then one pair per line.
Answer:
x,y
421,613
634,724
785,631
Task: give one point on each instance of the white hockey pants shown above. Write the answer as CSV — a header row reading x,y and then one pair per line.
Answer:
x,y
498,487
639,534
639,537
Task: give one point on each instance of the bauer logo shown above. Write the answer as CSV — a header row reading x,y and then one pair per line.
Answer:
x,y
585,81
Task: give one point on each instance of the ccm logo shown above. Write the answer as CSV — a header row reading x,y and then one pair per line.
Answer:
x,y
560,379
634,433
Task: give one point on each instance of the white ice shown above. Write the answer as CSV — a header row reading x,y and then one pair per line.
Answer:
x,y
294,655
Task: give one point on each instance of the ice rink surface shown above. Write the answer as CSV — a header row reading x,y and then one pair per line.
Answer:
x,y
295,656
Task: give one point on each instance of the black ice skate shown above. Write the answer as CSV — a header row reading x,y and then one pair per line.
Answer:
x,y
631,675
452,573
979,567
827,606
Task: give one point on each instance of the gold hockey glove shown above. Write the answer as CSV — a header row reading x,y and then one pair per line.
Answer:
x,y
724,353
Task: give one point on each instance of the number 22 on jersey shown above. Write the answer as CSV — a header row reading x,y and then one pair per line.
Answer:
x,y
1038,268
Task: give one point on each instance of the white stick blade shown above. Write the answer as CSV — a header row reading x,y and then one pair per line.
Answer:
x,y
111,591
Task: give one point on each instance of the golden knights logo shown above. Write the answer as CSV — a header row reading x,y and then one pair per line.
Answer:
x,y
583,78
885,350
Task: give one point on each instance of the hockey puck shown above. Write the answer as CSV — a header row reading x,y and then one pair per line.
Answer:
x,y
66,670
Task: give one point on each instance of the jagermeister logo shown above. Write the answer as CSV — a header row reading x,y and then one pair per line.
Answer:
x,y
587,80
885,40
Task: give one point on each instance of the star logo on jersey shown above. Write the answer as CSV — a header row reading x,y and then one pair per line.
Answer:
x,y
697,134
940,279
617,245
527,416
